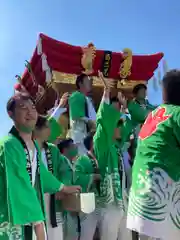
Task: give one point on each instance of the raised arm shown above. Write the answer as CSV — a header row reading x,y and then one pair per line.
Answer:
x,y
106,122
55,127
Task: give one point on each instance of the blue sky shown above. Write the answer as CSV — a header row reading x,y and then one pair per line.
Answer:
x,y
144,26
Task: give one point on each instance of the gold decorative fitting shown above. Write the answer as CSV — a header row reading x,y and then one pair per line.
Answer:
x,y
67,78
89,54
125,67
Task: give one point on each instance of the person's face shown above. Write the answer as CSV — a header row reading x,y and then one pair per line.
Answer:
x,y
71,152
25,115
87,84
45,132
116,105
141,93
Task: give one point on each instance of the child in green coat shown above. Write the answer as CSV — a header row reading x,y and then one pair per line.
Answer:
x,y
69,155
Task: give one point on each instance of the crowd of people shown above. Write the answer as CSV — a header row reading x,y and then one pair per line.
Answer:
x,y
124,160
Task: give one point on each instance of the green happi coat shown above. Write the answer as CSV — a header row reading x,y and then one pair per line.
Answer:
x,y
21,203
53,164
78,111
125,132
66,175
154,200
66,171
77,106
138,113
106,152
86,167
55,127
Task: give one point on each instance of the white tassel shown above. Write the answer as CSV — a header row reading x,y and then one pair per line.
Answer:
x,y
155,84
44,62
159,78
165,67
46,68
39,46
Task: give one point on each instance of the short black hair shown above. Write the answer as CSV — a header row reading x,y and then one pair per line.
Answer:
x,y
114,100
139,87
80,79
41,122
64,144
11,104
88,140
171,87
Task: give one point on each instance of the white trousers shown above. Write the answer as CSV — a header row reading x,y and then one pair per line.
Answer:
x,y
71,227
52,233
111,222
89,223
143,237
113,225
34,235
55,233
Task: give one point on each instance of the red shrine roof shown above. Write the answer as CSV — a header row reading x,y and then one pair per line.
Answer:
x,y
52,55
